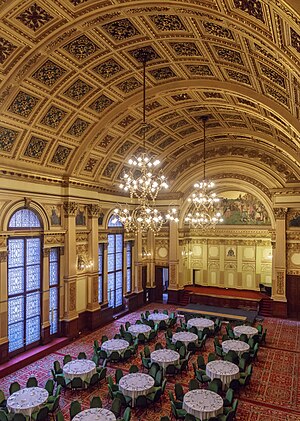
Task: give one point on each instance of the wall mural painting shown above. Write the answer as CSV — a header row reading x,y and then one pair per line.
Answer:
x,y
239,208
54,213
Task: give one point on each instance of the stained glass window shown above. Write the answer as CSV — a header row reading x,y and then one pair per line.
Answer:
x,y
24,218
54,289
128,266
100,273
114,222
115,268
24,290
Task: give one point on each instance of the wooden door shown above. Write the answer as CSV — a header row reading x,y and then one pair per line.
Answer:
x,y
293,296
159,288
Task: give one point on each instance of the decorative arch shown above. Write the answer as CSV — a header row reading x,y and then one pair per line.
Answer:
x,y
12,208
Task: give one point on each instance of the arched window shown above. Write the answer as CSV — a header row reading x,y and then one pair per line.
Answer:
x,y
115,263
24,282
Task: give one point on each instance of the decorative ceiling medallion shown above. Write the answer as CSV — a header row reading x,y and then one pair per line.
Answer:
x,y
156,136
167,142
90,165
181,97
168,23
151,53
53,117
185,49
213,94
49,73
162,73
199,70
178,124
7,139
81,47
121,29
78,127
252,7
272,75
124,147
106,141
108,69
129,85
61,155
229,55
101,103
276,95
78,90
295,40
6,48
35,17
217,30
238,76
23,104
109,169
126,121
35,147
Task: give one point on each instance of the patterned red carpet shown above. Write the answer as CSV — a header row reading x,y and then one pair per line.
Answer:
x,y
274,394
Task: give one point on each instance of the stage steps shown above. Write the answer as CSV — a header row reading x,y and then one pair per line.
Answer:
x,y
266,307
184,298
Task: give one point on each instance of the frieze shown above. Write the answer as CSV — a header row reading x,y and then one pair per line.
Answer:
x,y
54,239
82,249
102,237
199,69
213,265
230,266
272,75
94,209
229,55
247,267
295,40
5,93
70,208
126,121
277,95
238,76
185,49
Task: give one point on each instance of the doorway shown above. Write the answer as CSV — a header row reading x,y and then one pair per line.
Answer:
x,y
293,296
161,283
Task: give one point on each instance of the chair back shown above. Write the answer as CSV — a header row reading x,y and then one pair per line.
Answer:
x,y
2,396
104,338
76,383
19,417
118,375
193,384
211,357
147,351
57,367
116,407
49,386
59,416
133,369
141,402
14,387
127,414
75,408
171,370
81,356
42,414
3,416
96,402
158,346
114,356
32,382
67,358
200,362
179,393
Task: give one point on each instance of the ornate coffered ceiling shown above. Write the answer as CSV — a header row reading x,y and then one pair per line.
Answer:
x,y
71,97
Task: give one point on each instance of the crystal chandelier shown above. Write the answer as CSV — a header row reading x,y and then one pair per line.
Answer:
x,y
142,181
203,210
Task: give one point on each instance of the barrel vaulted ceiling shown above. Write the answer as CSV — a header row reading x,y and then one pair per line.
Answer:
x,y
71,89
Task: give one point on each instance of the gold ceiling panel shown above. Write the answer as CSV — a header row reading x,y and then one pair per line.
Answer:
x,y
71,85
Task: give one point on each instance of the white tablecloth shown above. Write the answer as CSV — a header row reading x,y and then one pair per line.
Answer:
x,y
157,317
203,404
165,357
184,337
119,345
136,384
28,400
95,414
246,330
79,368
200,323
224,370
139,328
235,345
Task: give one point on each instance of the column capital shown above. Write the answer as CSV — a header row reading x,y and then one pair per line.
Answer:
x,y
70,208
94,210
280,213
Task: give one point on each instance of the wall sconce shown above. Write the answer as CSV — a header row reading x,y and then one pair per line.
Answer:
x,y
145,253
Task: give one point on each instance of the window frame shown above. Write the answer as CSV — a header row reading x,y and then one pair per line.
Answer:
x,y
57,286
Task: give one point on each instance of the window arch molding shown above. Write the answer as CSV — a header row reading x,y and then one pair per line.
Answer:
x,y
18,205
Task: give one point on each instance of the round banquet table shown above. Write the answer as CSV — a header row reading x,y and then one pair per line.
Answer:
x,y
203,404
224,370
139,328
136,384
200,323
245,330
119,345
158,317
79,368
165,357
184,337
28,400
95,414
234,345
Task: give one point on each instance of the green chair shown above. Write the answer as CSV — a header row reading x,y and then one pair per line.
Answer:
x,y
202,377
102,374
147,351
104,338
2,399
32,382
233,408
158,346
193,384
215,386
155,396
212,357
111,383
125,400
164,418
127,324
228,400
154,369
14,387
226,417
96,402
59,416
81,356
177,413
94,380
77,383
49,386
3,416
116,407
200,362
133,369
146,363
41,414
190,417
114,357
53,406
112,393
20,417
118,375
61,381
178,404
141,402
127,354
57,367
67,359
171,370
179,393
74,409
127,414
158,378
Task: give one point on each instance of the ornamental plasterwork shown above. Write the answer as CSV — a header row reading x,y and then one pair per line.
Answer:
x,y
54,239
247,267
94,209
82,249
70,208
102,238
280,283
280,213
